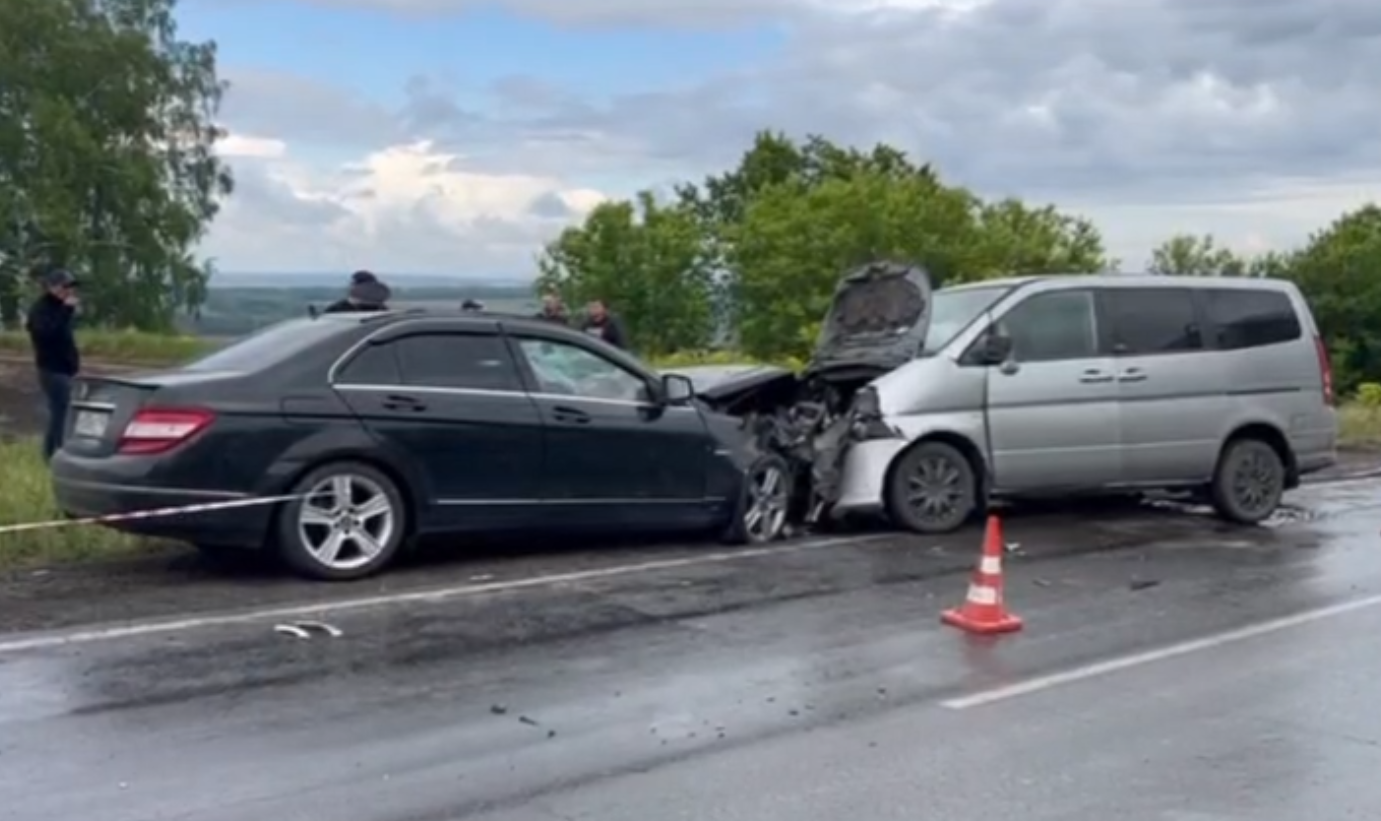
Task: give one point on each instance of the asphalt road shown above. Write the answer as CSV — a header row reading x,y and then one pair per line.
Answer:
x,y
1172,669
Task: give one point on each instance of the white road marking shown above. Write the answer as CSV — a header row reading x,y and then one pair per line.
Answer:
x,y
430,595
1114,665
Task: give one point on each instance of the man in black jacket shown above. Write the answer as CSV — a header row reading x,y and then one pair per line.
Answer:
x,y
50,325
366,293
553,310
599,322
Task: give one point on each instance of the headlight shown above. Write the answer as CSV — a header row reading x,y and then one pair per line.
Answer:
x,y
866,403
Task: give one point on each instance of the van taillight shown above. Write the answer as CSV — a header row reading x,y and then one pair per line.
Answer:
x,y
156,430
1326,368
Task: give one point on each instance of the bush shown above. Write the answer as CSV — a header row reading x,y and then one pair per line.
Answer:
x,y
28,497
690,359
122,346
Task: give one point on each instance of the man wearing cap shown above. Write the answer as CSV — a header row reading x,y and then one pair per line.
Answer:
x,y
49,323
366,293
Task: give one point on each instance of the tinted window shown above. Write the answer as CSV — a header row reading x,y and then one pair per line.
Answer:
x,y
474,361
1052,326
374,365
270,346
569,370
1248,319
1152,320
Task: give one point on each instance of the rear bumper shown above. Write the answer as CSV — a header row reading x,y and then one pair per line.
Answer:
x,y
82,491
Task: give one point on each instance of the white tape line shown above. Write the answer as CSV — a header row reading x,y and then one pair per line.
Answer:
x,y
436,595
155,513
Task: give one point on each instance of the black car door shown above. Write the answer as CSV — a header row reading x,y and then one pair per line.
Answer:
x,y
609,448
454,403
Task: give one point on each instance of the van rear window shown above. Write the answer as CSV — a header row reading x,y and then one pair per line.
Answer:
x,y
1243,318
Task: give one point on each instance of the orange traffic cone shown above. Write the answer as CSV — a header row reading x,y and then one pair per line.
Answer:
x,y
983,611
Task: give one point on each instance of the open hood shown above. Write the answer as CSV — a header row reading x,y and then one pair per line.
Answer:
x,y
877,321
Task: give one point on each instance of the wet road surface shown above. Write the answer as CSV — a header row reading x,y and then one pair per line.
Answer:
x,y
1172,669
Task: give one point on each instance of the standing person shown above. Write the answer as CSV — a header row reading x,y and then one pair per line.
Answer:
x,y
366,293
50,325
553,310
603,324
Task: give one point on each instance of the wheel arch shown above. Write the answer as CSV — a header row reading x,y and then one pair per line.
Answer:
x,y
394,472
966,446
1272,435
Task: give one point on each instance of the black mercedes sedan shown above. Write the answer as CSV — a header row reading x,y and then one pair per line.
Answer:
x,y
382,427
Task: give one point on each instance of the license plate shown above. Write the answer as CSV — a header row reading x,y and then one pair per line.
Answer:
x,y
91,424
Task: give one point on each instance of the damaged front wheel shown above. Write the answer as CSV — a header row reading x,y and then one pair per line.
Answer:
x,y
764,503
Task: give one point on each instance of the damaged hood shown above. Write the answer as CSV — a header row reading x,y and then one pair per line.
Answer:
x,y
877,321
718,382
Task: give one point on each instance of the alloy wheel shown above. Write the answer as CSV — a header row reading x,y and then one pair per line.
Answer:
x,y
1255,483
346,521
935,488
768,502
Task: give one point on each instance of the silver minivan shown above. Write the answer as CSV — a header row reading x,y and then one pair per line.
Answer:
x,y
1064,385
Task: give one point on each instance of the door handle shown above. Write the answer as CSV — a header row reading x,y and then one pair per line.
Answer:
x,y
1132,375
1094,376
570,415
399,402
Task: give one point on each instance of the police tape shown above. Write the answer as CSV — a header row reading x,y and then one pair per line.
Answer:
x,y
154,513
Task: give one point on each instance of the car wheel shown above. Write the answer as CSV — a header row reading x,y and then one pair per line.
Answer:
x,y
1249,481
932,489
349,523
764,503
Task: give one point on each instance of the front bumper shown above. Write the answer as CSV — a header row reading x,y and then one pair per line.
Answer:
x,y
864,480
84,491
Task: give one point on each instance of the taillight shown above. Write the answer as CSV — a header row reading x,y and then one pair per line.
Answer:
x,y
156,430
1326,368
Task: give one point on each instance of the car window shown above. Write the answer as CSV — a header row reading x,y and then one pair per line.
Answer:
x,y
270,346
569,370
1152,320
470,361
953,311
1250,319
1052,326
372,365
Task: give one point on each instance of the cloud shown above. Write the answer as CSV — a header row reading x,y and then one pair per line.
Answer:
x,y
1253,119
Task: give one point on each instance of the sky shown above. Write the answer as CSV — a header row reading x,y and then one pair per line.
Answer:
x,y
454,137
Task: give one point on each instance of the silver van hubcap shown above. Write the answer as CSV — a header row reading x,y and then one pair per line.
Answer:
x,y
767,504
934,488
1254,482
345,521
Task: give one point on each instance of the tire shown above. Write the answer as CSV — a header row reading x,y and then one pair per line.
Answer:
x,y
764,503
367,533
1249,481
949,478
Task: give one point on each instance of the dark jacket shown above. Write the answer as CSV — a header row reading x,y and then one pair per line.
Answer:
x,y
559,319
50,328
610,330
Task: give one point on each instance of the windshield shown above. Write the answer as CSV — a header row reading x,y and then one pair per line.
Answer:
x,y
269,346
953,311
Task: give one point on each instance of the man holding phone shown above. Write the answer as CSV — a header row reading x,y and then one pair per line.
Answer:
x,y
50,325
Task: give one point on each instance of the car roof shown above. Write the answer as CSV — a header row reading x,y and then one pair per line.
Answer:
x,y
1120,280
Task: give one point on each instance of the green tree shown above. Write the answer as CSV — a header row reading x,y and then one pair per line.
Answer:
x,y
1014,238
795,240
648,262
1197,256
1339,271
106,154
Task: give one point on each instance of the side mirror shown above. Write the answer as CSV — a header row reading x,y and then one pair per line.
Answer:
x,y
996,348
677,389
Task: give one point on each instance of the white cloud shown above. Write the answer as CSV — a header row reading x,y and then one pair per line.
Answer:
x,y
1253,120
409,209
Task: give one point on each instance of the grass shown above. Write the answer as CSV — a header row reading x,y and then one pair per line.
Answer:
x,y
1359,425
28,497
124,347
